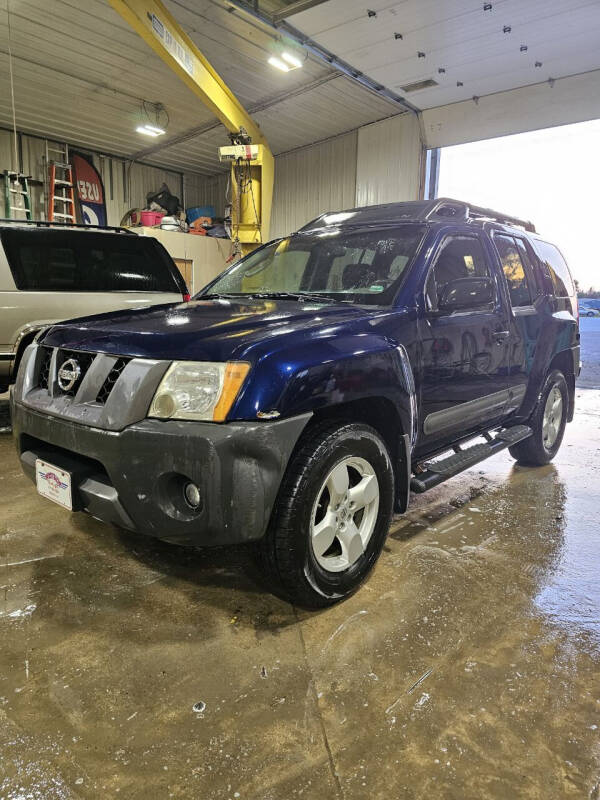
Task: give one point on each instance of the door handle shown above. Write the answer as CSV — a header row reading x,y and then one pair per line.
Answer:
x,y
500,336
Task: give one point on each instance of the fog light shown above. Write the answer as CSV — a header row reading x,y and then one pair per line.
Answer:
x,y
192,495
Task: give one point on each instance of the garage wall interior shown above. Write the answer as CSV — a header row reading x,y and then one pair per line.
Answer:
x,y
376,163
125,183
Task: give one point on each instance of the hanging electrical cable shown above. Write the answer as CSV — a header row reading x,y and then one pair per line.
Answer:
x,y
12,89
249,183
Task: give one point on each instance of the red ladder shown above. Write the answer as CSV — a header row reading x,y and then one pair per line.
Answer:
x,y
61,197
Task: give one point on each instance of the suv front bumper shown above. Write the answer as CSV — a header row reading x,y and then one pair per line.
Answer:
x,y
134,478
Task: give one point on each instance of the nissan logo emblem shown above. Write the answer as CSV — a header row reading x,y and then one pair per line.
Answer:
x,y
69,374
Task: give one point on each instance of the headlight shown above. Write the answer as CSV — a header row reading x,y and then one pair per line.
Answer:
x,y
200,390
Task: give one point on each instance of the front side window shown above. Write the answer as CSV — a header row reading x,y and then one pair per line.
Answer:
x,y
460,257
358,267
514,270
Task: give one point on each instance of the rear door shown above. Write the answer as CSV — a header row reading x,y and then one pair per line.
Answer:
x,y
525,293
465,354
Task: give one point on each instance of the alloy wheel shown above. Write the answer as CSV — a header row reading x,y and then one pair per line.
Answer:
x,y
344,514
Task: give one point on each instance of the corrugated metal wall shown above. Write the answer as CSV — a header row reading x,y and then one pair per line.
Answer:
x,y
31,154
388,163
200,191
312,180
125,184
6,150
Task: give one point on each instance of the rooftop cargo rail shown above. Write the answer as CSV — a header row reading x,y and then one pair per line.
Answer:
x,y
414,210
41,223
446,207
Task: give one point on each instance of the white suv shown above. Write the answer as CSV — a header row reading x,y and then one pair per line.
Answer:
x,y
50,273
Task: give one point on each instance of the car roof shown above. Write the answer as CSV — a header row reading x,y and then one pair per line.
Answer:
x,y
441,210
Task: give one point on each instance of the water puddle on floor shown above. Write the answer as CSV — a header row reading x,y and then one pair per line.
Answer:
x,y
571,597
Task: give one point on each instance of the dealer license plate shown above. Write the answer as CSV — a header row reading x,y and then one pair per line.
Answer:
x,y
53,483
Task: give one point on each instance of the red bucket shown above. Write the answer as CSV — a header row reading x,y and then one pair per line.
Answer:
x,y
150,218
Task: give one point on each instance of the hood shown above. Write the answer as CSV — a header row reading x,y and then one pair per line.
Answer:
x,y
203,330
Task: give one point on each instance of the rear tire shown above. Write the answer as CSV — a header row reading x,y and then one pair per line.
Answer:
x,y
548,424
331,517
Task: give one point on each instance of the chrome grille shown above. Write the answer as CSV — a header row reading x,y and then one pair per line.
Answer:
x,y
44,373
113,391
111,379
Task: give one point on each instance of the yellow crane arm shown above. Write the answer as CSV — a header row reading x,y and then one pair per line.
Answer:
x,y
251,212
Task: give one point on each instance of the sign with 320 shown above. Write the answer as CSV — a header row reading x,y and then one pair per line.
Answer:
x,y
90,191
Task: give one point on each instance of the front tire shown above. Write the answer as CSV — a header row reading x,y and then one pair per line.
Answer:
x,y
332,515
548,424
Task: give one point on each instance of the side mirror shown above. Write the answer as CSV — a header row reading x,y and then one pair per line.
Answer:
x,y
463,294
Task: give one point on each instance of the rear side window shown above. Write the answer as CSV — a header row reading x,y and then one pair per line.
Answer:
x,y
562,283
43,260
513,267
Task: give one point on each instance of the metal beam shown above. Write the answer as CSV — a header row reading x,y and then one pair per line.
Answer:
x,y
159,29
252,197
432,174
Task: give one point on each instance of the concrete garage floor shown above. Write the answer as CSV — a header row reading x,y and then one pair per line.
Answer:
x,y
467,667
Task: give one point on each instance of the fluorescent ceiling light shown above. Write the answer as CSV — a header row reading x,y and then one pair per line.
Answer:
x,y
278,64
293,60
155,129
150,130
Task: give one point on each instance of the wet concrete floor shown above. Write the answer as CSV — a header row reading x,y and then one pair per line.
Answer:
x,y
466,667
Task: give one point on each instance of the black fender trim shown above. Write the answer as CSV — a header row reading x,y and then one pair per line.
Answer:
x,y
403,475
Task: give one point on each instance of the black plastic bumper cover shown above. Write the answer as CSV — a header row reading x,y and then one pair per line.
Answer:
x,y
135,477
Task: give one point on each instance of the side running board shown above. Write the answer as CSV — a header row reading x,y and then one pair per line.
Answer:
x,y
439,471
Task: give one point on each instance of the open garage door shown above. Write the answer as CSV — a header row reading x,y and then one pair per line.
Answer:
x,y
473,70
549,176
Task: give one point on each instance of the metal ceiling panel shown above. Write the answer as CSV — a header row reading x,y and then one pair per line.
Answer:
x,y
81,74
467,50
329,109
239,48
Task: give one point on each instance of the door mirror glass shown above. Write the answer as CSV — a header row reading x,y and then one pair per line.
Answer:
x,y
465,294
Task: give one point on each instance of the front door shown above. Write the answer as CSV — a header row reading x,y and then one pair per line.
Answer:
x,y
465,352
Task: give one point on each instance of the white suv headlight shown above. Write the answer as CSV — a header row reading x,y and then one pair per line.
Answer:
x,y
200,390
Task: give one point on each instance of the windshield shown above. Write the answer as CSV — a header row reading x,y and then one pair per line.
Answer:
x,y
360,267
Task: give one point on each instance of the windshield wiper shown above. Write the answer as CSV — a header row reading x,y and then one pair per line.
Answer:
x,y
220,296
299,296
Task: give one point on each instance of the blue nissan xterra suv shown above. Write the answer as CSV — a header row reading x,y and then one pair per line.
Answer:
x,y
299,398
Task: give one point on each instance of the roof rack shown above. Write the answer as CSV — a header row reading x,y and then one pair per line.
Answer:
x,y
446,207
40,223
